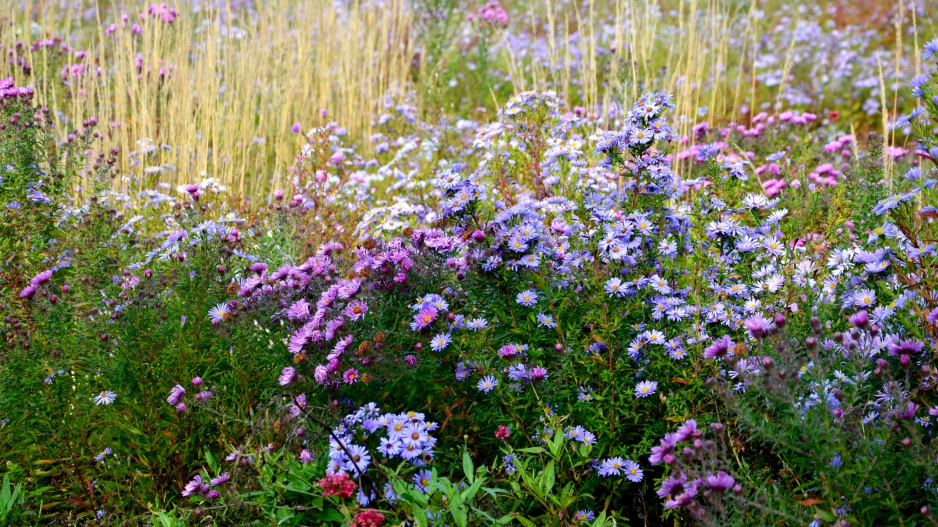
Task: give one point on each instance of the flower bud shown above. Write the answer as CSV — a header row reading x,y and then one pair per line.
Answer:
x,y
780,320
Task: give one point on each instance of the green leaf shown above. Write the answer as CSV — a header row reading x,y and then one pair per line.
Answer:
x,y
467,466
329,515
549,477
524,521
470,493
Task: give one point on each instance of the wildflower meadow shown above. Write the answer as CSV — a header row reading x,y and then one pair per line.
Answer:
x,y
469,263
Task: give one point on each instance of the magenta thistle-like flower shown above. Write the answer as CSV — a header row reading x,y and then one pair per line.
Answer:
x,y
664,451
720,481
758,326
193,486
287,376
42,277
718,348
28,291
860,319
905,347
175,394
687,430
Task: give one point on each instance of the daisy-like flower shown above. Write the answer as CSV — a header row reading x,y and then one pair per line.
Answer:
x,y
864,298
633,472
546,321
614,287
477,324
105,397
487,384
611,467
645,388
439,342
422,479
356,309
526,298
350,376
424,318
219,313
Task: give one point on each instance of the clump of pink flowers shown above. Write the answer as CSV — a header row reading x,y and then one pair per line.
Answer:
x,y
340,485
491,13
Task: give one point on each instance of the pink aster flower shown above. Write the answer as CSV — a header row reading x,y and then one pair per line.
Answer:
x,y
356,309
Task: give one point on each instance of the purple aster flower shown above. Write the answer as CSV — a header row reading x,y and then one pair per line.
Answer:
x,y
905,347
611,467
487,383
439,342
422,479
684,498
220,480
645,388
299,310
350,376
527,298
219,313
517,372
664,450
633,472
